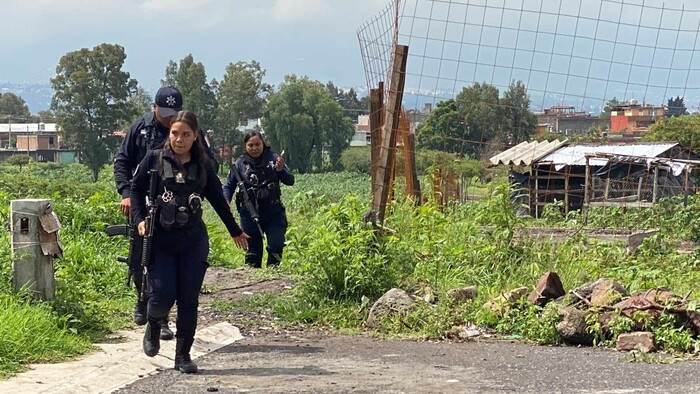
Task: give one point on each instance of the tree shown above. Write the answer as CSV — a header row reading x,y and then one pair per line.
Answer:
x,y
442,129
46,116
91,100
18,160
141,102
12,105
682,129
303,119
197,94
675,107
479,107
241,95
352,106
609,106
519,123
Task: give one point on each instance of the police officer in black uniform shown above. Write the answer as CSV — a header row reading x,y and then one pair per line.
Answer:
x,y
262,172
147,133
180,244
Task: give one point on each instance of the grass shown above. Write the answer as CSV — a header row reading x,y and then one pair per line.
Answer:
x,y
33,333
341,266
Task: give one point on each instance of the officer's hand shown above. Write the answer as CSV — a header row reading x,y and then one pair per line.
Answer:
x,y
242,241
125,206
142,228
279,164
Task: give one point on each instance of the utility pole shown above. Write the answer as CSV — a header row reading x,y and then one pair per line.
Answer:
x,y
9,130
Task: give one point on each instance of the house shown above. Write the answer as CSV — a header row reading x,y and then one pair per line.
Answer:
x,y
10,132
636,174
362,136
564,119
40,141
633,118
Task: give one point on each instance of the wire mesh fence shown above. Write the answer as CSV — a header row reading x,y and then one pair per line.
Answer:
x,y
485,75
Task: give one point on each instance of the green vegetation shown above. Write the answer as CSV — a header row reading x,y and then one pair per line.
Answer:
x,y
341,266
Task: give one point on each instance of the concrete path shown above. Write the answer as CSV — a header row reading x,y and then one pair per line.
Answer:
x,y
118,362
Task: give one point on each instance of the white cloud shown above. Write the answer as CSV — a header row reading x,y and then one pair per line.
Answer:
x,y
293,10
175,5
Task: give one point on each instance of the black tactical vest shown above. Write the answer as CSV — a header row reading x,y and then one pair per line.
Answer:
x,y
180,204
262,182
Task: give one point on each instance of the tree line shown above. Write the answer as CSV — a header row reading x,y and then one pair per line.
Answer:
x,y
93,97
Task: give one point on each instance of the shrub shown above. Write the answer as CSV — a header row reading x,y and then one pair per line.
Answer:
x,y
356,159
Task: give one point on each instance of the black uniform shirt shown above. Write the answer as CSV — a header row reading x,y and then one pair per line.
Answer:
x,y
139,139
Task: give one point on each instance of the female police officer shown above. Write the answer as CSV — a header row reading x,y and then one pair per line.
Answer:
x,y
180,243
261,172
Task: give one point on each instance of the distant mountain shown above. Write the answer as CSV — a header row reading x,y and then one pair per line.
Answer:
x,y
37,96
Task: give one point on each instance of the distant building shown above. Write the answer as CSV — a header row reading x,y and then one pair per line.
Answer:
x,y
564,119
362,136
633,118
40,141
10,133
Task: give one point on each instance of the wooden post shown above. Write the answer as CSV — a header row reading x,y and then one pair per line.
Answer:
x,y
656,183
387,154
685,185
566,190
536,173
639,189
586,190
376,119
409,159
607,188
31,269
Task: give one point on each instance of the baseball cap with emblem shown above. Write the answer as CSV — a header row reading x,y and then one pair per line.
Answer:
x,y
169,101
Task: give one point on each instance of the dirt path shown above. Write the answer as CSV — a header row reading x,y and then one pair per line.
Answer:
x,y
298,361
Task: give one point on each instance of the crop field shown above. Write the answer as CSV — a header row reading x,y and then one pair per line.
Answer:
x,y
341,265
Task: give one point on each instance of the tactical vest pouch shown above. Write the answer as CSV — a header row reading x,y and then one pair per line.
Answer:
x,y
168,213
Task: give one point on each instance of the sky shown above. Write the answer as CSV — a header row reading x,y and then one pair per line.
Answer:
x,y
316,38
569,52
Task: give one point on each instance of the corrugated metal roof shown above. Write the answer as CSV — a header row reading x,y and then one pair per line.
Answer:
x,y
28,127
525,153
576,155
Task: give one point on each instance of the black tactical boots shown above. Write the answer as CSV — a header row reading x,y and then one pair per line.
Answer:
x,y
183,362
151,339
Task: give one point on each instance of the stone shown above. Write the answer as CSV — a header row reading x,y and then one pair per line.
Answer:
x,y
392,302
642,341
607,292
463,294
573,328
548,288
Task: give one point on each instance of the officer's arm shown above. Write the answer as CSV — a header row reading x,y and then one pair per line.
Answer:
x,y
230,185
124,161
285,176
139,187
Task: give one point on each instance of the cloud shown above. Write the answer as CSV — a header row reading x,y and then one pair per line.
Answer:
x,y
175,5
294,10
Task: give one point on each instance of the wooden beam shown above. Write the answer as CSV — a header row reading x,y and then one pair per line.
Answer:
x,y
376,116
387,154
566,190
656,184
409,159
586,190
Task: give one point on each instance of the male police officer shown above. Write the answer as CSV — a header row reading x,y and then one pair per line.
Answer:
x,y
147,133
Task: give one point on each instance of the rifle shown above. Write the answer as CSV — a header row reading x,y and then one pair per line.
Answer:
x,y
250,207
148,237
